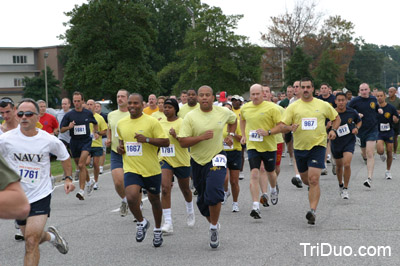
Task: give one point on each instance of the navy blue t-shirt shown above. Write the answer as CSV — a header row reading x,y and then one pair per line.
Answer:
x,y
369,108
350,118
330,100
81,130
385,120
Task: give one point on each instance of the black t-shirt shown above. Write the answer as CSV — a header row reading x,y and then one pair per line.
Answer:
x,y
385,120
348,121
82,120
330,100
369,108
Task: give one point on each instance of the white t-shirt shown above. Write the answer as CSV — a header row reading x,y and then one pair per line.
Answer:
x,y
62,136
29,157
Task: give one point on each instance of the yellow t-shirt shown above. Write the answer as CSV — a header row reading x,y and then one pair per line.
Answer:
x,y
265,115
113,118
182,156
160,116
236,144
197,122
145,161
310,116
279,137
186,109
149,111
101,125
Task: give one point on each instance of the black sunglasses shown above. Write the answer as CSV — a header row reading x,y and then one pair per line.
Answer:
x,y
5,102
27,114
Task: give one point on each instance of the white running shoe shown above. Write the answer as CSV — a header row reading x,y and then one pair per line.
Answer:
x,y
344,194
123,210
167,228
388,175
235,207
226,196
190,219
383,157
95,187
101,170
241,176
328,158
89,187
324,171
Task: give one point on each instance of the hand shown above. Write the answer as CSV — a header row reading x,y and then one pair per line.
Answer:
x,y
294,127
243,140
96,136
121,149
140,138
380,111
332,135
261,132
354,131
360,115
68,186
209,134
172,132
228,140
395,119
108,142
71,124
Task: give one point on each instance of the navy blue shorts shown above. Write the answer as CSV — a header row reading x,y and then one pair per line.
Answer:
x,y
96,151
40,207
77,146
310,158
234,160
268,157
337,150
371,135
116,160
179,172
209,183
152,183
387,136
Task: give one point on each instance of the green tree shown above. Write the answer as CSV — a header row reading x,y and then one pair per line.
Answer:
x,y
352,82
297,67
108,48
326,71
35,88
367,63
215,56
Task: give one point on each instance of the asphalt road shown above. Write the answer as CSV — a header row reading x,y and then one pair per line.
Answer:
x,y
97,235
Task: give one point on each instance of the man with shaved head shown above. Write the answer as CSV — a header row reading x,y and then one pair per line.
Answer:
x,y
259,121
202,131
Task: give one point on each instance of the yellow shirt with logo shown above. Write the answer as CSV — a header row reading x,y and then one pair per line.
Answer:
x,y
149,111
186,108
279,137
113,118
265,115
101,125
301,113
236,144
147,164
197,122
182,156
160,116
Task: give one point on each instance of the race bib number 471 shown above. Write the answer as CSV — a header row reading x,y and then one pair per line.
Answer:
x,y
309,123
30,175
219,160
254,136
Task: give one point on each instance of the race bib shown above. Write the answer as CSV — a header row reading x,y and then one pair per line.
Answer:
x,y
133,148
168,151
219,160
226,146
29,175
254,136
309,123
343,130
385,127
80,130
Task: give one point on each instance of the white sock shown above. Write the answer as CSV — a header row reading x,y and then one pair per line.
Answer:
x,y
157,229
273,189
52,237
189,206
234,203
142,223
213,226
167,215
256,205
82,191
124,200
298,176
101,168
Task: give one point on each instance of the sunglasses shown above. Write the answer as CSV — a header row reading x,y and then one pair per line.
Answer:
x,y
5,102
27,114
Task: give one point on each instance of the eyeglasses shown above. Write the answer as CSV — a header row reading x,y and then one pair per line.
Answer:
x,y
5,102
27,114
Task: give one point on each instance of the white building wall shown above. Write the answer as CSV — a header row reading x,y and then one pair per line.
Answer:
x,y
6,56
7,79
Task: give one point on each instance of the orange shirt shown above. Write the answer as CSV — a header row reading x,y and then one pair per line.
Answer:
x,y
149,111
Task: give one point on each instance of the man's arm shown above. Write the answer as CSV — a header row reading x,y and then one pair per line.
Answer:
x,y
187,142
67,166
159,142
335,125
13,202
243,130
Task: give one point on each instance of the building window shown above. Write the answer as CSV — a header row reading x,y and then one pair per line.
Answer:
x,y
19,82
19,59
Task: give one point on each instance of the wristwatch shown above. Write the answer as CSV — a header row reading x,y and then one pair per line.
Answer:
x,y
69,177
231,134
147,140
269,132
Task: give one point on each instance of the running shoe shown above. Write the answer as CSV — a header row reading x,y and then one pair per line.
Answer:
x,y
328,159
310,216
297,182
264,200
59,243
235,207
367,182
383,157
89,187
344,194
324,171
167,228
394,156
190,219
291,161
333,169
101,170
80,196
255,213
141,231
388,175
195,192
214,238
95,187
18,235
274,198
123,209
158,238
76,175
241,176
226,196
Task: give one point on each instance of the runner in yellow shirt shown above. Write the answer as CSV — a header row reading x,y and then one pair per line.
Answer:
x,y
175,160
190,105
306,119
202,132
152,105
259,122
140,136
159,115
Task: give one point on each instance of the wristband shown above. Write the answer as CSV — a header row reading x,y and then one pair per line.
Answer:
x,y
69,177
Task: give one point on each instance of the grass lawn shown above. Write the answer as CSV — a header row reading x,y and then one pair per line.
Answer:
x,y
56,168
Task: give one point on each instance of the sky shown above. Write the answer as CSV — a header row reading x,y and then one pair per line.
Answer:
x,y
27,23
